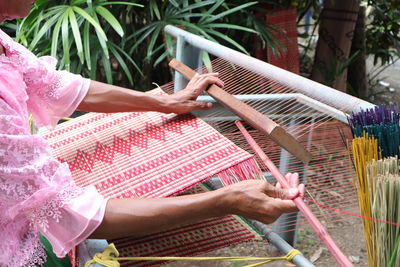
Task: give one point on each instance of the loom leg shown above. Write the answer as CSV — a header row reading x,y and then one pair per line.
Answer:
x,y
287,224
188,55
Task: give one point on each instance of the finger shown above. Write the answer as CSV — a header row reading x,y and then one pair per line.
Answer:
x,y
287,176
272,191
201,105
195,77
208,80
215,74
294,180
199,77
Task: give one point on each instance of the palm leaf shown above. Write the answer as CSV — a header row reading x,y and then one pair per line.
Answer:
x,y
86,45
65,40
46,27
129,58
122,63
77,34
109,17
228,39
54,42
228,12
89,18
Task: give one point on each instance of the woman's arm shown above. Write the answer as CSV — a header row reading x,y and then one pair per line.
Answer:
x,y
106,98
253,199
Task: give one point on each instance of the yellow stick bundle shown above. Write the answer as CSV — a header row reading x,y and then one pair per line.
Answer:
x,y
365,150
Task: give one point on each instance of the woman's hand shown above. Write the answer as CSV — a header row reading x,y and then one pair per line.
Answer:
x,y
184,100
253,199
259,200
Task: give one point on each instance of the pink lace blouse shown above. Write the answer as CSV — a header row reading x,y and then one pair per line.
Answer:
x,y
37,194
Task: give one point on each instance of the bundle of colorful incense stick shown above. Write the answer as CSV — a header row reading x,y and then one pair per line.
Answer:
x,y
382,123
375,151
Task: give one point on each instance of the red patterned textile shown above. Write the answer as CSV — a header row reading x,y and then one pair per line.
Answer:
x,y
143,154
188,240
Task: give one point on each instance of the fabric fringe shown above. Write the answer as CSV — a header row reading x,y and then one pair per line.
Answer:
x,y
245,170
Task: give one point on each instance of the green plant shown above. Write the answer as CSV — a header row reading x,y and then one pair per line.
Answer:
x,y
383,30
306,240
79,33
199,17
231,23
123,42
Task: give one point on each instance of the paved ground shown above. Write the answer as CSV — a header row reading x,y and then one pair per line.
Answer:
x,y
388,90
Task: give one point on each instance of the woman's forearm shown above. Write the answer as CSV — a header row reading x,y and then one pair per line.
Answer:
x,y
138,217
107,98
253,199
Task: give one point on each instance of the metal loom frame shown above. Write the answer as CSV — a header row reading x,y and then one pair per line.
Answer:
x,y
189,49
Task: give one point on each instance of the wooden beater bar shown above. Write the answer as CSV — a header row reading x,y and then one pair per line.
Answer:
x,y
318,228
250,115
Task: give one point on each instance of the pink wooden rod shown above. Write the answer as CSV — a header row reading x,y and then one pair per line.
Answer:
x,y
318,228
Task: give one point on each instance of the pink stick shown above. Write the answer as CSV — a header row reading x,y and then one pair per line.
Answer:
x,y
318,228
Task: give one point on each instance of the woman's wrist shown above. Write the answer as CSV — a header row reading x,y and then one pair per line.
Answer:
x,y
224,201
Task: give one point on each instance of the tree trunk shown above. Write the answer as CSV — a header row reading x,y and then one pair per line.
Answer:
x,y
357,72
338,20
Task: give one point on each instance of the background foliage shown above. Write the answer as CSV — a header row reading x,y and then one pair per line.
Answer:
x,y
123,42
383,30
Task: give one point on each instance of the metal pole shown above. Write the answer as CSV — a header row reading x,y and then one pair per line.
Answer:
x,y
287,223
281,244
305,100
188,55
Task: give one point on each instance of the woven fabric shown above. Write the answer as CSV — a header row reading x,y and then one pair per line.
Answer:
x,y
143,154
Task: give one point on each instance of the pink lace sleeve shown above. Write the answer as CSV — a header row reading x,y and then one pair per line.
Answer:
x,y
37,194
52,94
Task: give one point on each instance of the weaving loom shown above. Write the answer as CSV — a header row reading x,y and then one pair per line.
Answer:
x,y
313,113
155,161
